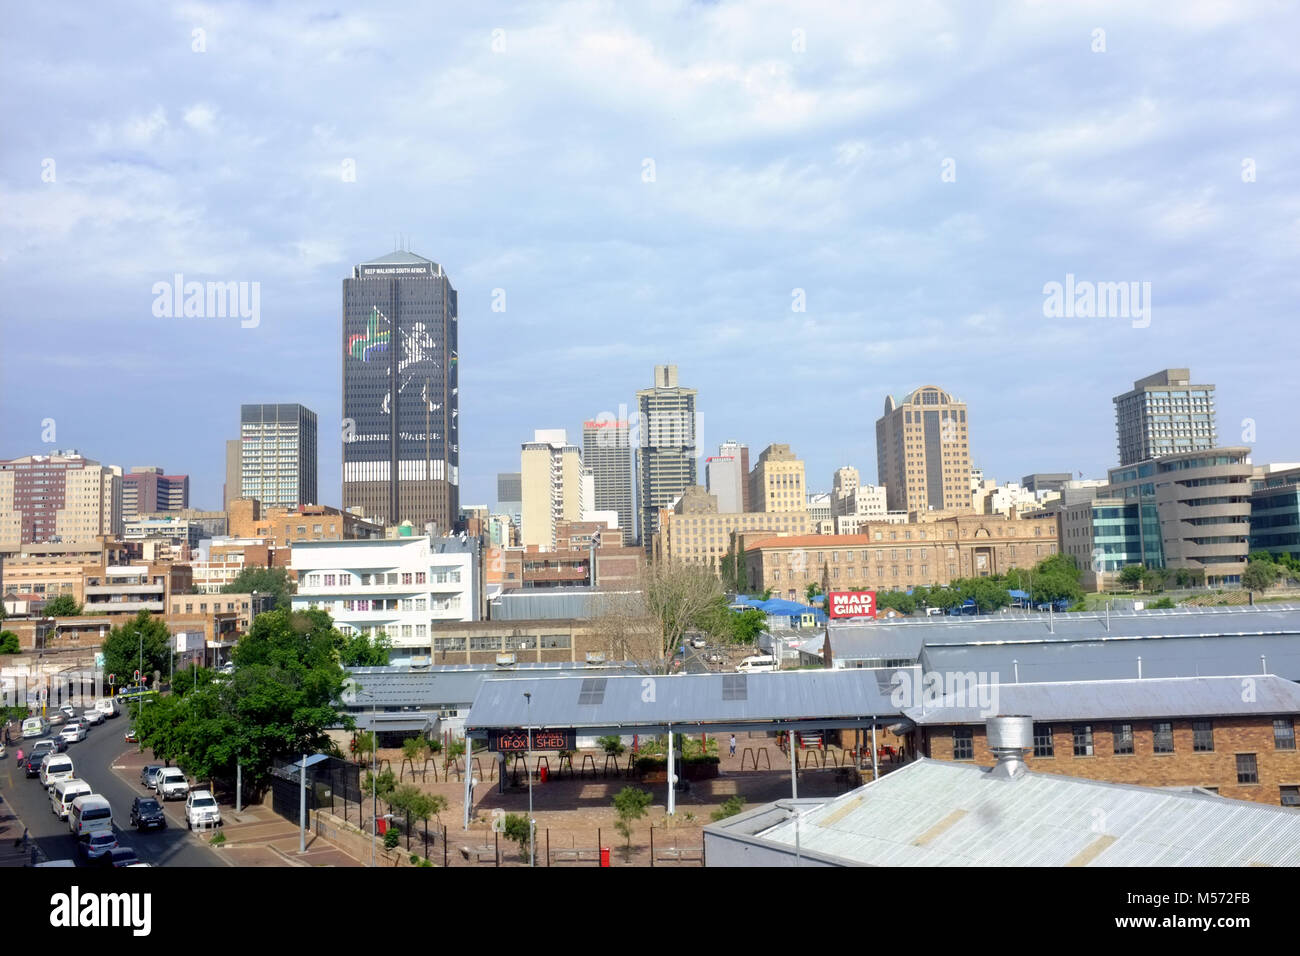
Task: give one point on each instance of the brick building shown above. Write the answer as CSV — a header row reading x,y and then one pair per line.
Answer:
x,y
1235,736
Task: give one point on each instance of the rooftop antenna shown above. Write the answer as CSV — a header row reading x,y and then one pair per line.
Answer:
x,y
1139,668
1263,664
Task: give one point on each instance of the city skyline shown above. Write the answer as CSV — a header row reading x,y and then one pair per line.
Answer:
x,y
835,207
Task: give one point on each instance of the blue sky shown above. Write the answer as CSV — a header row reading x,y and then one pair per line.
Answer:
x,y
794,147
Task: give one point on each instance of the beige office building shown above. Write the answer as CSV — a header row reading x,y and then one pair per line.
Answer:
x,y
59,497
550,477
923,452
694,532
891,557
777,482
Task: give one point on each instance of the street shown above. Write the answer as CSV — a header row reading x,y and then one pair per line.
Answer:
x,y
93,759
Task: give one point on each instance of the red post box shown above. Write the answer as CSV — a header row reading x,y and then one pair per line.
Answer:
x,y
383,826
543,772
604,856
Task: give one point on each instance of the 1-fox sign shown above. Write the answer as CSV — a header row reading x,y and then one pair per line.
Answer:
x,y
852,604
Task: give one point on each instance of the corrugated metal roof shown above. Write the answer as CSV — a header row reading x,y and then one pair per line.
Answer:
x,y
1117,659
1098,699
435,688
935,813
850,642
547,605
685,700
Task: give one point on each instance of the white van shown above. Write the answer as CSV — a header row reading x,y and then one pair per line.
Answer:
x,y
757,665
64,792
56,767
107,706
91,813
35,727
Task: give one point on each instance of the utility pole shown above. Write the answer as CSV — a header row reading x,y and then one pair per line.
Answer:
x,y
532,824
302,806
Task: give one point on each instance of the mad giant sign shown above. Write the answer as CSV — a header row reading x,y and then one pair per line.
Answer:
x,y
851,604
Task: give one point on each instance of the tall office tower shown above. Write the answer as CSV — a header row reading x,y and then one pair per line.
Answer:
x,y
777,481
923,452
1164,415
233,485
607,452
148,491
401,447
846,479
550,472
60,497
510,495
666,452
726,475
277,455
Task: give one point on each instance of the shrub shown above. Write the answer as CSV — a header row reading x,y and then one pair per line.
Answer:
x,y
218,839
730,807
391,838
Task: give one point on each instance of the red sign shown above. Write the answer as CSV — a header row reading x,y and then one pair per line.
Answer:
x,y
851,604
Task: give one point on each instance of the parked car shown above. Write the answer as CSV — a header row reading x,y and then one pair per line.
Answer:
x,y
149,775
49,745
93,717
32,765
93,845
74,733
172,783
201,810
699,642
147,813
131,736
118,857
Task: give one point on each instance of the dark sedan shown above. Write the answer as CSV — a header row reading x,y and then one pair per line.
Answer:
x,y
32,765
118,856
147,813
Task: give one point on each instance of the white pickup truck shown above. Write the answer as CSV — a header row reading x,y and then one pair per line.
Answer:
x,y
172,784
201,810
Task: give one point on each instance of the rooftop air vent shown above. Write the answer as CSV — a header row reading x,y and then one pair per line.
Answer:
x,y
1010,738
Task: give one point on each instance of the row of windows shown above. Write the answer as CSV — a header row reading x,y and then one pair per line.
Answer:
x,y
514,642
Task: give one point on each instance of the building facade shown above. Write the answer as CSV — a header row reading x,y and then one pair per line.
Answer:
x,y
400,587
148,491
1275,513
891,557
694,531
777,482
923,452
283,527
1164,414
401,402
726,476
607,454
551,475
61,497
666,455
277,458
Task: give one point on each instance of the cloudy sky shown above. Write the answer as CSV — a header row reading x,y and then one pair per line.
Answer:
x,y
652,183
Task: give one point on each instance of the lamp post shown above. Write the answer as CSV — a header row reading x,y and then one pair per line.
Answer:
x,y
532,850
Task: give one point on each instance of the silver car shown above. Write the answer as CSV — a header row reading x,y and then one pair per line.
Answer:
x,y
149,775
74,732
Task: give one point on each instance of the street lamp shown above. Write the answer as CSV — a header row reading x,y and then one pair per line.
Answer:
x,y
532,824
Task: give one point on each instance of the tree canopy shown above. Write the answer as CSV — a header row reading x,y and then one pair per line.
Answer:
x,y
65,605
143,639
263,581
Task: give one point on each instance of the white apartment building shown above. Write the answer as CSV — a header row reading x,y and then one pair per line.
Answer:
x,y
396,586
854,504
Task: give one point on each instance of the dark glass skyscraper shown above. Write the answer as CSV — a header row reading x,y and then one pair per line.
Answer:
x,y
401,450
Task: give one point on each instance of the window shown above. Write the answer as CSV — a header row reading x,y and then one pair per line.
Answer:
x,y
449,643
1122,738
1202,736
1162,734
1043,744
406,577
485,643
1083,740
419,577
555,642
1247,771
963,743
1290,796
1283,733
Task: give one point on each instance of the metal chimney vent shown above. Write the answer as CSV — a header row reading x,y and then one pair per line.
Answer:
x,y
1010,738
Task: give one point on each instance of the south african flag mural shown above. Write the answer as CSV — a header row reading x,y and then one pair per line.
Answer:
x,y
374,341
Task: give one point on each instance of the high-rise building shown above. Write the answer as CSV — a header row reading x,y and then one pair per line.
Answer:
x,y
923,452
61,497
1164,415
726,475
666,464
401,447
233,485
277,454
148,491
551,483
607,452
509,491
777,481
846,479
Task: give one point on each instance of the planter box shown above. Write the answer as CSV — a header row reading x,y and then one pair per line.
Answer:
x,y
699,771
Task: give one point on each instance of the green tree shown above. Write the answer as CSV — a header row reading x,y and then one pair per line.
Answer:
x,y
363,744
516,829
811,591
1131,575
359,650
899,601
9,643
143,638
1153,579
65,605
746,625
630,804
730,807
263,581
1259,575
612,745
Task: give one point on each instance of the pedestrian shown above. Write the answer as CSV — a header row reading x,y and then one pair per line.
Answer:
x,y
902,755
733,745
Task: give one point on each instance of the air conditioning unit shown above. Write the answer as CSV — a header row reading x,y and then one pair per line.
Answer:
x,y
505,660
595,657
